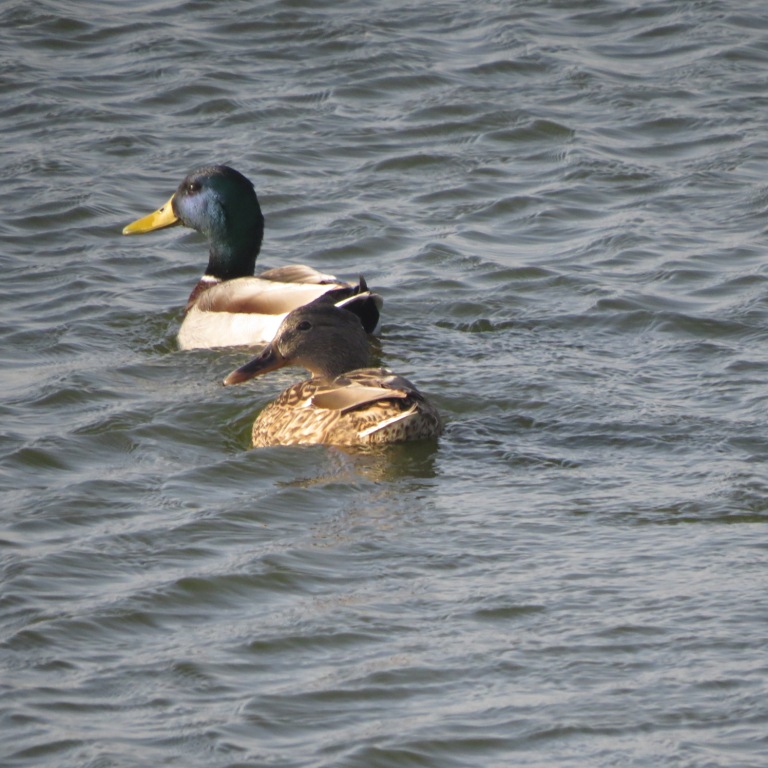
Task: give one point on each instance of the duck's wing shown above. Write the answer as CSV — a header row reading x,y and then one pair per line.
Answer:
x,y
300,273
272,300
246,311
362,387
345,398
255,295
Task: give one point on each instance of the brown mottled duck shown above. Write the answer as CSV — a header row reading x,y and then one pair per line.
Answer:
x,y
344,402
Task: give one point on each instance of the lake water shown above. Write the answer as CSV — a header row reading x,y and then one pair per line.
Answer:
x,y
563,205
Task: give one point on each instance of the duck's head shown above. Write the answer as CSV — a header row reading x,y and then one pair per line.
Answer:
x,y
220,203
323,338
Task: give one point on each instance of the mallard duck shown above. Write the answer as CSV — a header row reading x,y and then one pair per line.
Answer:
x,y
344,402
229,306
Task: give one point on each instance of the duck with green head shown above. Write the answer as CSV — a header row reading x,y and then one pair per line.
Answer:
x,y
344,402
229,306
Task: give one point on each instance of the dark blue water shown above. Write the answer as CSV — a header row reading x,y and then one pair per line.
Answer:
x,y
563,205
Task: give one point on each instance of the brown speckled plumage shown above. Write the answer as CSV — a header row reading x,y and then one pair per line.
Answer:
x,y
295,417
345,402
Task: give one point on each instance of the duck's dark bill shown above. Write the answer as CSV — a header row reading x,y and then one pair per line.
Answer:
x,y
159,219
268,360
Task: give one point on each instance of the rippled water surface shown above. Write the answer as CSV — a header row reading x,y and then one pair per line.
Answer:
x,y
564,207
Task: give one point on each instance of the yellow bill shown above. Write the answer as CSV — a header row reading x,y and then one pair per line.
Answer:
x,y
159,219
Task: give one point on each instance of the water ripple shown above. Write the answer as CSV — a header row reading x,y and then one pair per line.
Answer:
x,y
563,206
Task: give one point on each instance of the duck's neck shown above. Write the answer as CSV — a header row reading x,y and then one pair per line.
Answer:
x,y
234,247
346,356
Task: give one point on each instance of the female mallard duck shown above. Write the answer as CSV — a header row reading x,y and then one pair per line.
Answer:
x,y
229,306
344,403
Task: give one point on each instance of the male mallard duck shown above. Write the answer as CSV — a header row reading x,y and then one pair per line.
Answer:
x,y
344,403
229,306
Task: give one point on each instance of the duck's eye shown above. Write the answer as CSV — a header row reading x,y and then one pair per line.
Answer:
x,y
304,325
193,186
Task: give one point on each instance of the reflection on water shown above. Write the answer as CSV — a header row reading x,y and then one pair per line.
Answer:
x,y
378,464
